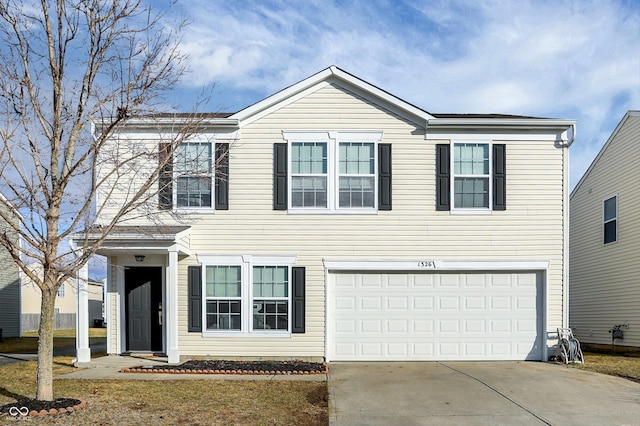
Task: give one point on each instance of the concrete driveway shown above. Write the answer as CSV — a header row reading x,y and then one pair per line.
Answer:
x,y
478,393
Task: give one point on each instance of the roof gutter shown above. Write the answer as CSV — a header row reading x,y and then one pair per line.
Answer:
x,y
501,123
167,123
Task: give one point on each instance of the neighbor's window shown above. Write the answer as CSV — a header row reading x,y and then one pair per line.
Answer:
x,y
61,290
223,291
194,179
610,218
270,298
471,176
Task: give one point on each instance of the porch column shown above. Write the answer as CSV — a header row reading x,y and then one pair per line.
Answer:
x,y
171,303
83,351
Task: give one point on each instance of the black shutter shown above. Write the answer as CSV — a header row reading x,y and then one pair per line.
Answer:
x,y
165,180
280,176
195,298
298,300
384,176
499,177
443,176
222,176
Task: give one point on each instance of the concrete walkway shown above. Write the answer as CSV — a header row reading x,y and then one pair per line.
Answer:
x,y
10,358
478,393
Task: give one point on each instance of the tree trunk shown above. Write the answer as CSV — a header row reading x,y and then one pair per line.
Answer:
x,y
44,386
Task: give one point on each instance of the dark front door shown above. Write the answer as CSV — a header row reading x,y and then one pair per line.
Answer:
x,y
143,289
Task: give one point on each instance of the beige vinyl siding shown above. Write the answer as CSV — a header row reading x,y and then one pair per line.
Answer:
x,y
530,229
605,279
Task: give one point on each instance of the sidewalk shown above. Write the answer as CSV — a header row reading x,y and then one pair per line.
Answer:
x,y
10,358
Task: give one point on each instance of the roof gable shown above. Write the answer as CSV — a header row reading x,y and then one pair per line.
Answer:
x,y
331,75
604,148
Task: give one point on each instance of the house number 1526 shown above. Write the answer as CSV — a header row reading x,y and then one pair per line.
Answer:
x,y
426,264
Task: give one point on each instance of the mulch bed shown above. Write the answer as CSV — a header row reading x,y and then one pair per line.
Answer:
x,y
33,407
234,367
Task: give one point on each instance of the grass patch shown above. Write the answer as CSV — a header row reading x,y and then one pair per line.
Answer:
x,y
28,343
613,364
194,402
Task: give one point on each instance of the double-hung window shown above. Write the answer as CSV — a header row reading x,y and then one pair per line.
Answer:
x,y
333,172
247,294
194,178
471,175
270,298
309,179
223,292
356,175
610,219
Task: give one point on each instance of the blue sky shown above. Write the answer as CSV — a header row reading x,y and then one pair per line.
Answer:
x,y
559,59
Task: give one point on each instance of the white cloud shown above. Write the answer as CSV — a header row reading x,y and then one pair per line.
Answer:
x,y
562,59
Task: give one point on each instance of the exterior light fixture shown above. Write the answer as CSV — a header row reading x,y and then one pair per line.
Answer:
x,y
139,257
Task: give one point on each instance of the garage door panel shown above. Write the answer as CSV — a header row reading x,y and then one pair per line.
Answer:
x,y
473,316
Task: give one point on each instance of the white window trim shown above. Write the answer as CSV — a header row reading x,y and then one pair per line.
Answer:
x,y
604,222
469,210
212,176
332,139
246,263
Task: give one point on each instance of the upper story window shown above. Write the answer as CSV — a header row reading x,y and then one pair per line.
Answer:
x,y
61,290
471,176
194,177
309,179
610,219
332,172
356,174
194,180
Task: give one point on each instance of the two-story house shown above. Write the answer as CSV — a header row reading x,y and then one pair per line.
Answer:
x,y
348,224
605,242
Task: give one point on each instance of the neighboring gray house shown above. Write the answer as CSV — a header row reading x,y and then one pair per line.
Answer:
x,y
347,225
604,274
9,279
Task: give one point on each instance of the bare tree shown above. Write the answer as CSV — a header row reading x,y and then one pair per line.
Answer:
x,y
66,65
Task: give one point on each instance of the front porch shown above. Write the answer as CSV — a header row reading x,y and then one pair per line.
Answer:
x,y
142,290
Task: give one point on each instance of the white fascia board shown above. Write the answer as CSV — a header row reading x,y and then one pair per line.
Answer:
x,y
385,96
318,81
164,123
143,247
549,124
435,265
245,115
269,105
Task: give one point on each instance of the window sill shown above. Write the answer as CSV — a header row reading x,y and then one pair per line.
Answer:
x,y
194,210
471,212
296,211
241,334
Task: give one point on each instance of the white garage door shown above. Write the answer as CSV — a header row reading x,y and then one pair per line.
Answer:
x,y
434,316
